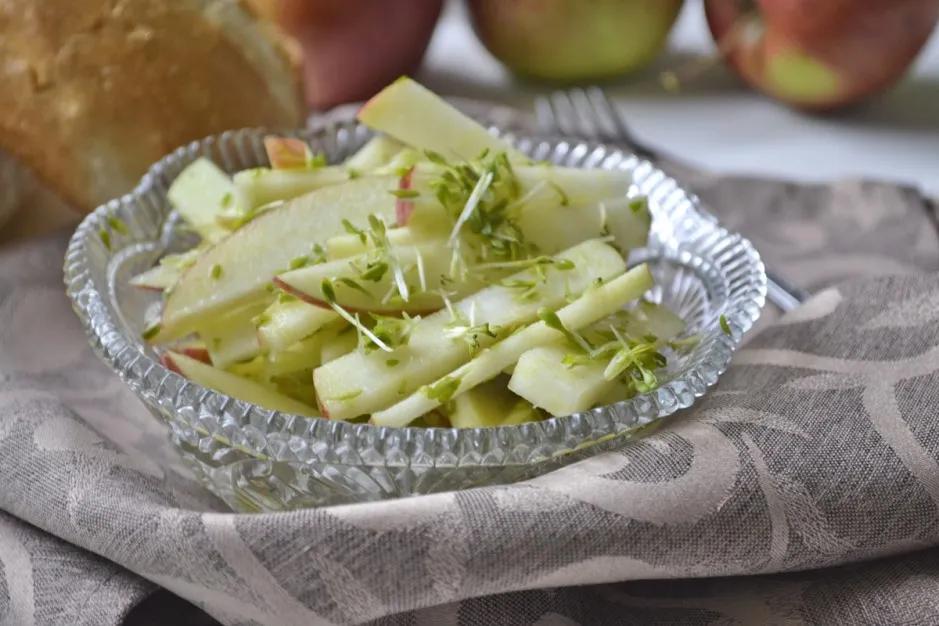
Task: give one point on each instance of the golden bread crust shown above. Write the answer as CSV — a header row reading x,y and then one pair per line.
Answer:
x,y
95,91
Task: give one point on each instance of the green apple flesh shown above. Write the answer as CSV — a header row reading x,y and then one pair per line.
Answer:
x,y
491,405
198,194
573,40
234,385
592,305
418,117
237,270
283,324
360,382
821,54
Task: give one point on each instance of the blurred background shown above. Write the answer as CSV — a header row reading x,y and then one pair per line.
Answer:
x,y
802,89
718,121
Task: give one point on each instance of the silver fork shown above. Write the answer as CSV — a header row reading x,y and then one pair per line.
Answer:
x,y
589,113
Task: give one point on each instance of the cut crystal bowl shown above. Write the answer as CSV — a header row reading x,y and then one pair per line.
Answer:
x,y
256,459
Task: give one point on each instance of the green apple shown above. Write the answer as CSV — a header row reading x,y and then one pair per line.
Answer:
x,y
573,40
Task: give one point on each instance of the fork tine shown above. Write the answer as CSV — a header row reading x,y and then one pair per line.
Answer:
x,y
544,115
586,118
603,111
606,108
564,115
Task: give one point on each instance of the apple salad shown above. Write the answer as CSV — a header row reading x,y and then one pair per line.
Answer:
x,y
438,277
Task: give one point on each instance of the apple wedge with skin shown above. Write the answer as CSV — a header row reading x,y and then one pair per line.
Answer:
x,y
235,386
337,342
283,324
377,151
432,259
232,337
490,405
360,383
260,186
552,226
347,245
584,385
593,305
237,270
572,185
199,194
167,272
416,116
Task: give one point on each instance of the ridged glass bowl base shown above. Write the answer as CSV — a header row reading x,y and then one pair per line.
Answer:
x,y
257,460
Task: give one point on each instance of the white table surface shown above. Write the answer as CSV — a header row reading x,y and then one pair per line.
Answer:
x,y
718,123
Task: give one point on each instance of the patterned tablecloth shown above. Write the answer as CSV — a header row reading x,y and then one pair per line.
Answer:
x,y
804,488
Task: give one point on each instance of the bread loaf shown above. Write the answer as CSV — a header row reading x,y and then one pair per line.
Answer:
x,y
92,92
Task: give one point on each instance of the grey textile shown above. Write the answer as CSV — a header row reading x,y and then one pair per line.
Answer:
x,y
819,449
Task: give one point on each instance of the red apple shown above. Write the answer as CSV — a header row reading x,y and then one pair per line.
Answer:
x,y
353,48
573,40
821,54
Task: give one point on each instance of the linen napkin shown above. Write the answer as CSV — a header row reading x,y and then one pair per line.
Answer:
x,y
816,453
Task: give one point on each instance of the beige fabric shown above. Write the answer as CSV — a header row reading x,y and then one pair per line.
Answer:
x,y
818,449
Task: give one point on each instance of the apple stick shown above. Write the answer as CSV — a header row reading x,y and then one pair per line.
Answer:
x,y
360,383
418,117
355,293
238,269
234,385
285,323
257,187
199,194
593,305
378,151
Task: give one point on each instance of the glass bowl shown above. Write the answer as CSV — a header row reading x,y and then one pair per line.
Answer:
x,y
256,459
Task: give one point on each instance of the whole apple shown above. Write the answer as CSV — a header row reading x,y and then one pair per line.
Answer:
x,y
573,40
821,54
351,49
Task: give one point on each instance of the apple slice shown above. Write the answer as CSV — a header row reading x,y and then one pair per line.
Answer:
x,y
552,226
348,245
576,185
260,186
337,342
232,337
198,194
572,389
584,385
380,295
283,324
165,274
287,153
377,151
301,356
593,305
359,383
418,117
572,185
235,386
489,405
237,270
